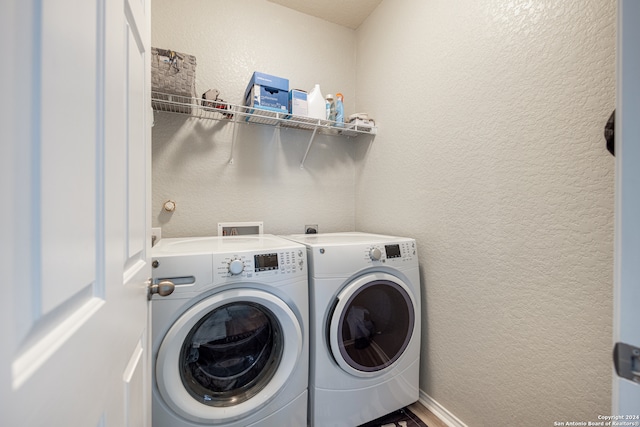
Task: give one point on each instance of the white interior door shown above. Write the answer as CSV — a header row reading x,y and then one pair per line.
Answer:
x,y
626,392
75,177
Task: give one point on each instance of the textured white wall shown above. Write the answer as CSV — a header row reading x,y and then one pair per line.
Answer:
x,y
491,154
230,40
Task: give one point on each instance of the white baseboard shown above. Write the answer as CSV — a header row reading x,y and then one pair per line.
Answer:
x,y
440,411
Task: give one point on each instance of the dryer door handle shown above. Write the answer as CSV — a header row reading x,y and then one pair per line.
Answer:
x,y
164,288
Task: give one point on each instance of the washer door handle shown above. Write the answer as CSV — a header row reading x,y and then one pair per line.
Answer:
x,y
164,288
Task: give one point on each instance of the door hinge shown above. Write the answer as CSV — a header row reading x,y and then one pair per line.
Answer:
x,y
626,359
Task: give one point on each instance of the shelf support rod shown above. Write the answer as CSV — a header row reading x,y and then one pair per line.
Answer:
x,y
306,153
235,134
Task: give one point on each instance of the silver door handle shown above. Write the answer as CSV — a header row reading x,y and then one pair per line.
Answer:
x,y
163,288
626,359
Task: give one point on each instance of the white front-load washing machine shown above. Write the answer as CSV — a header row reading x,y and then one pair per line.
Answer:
x,y
230,344
364,292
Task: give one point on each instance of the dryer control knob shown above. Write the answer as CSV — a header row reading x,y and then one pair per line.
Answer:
x,y
236,267
375,254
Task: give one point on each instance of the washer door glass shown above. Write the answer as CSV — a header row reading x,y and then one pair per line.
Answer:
x,y
231,354
228,355
372,324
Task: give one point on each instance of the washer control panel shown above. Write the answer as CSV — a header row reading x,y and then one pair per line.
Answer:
x,y
394,252
255,265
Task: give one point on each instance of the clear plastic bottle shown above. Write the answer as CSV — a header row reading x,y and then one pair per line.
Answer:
x,y
331,108
339,110
316,104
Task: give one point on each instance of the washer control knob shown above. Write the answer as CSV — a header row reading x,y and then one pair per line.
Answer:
x,y
236,267
375,254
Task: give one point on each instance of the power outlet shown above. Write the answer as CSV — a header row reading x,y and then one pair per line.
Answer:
x,y
311,229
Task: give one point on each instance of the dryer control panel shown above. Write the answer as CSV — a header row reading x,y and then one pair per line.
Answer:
x,y
260,265
390,252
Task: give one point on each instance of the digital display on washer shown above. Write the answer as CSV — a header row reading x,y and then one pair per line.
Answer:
x,y
393,251
266,262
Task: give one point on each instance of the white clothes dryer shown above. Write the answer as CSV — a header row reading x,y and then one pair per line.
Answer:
x,y
230,344
364,292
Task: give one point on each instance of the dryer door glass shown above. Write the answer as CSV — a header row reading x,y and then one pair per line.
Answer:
x,y
375,325
231,354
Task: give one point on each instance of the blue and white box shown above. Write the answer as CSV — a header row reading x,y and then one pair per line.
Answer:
x,y
298,103
267,92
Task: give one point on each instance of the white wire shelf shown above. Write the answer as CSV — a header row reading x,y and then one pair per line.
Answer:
x,y
214,110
